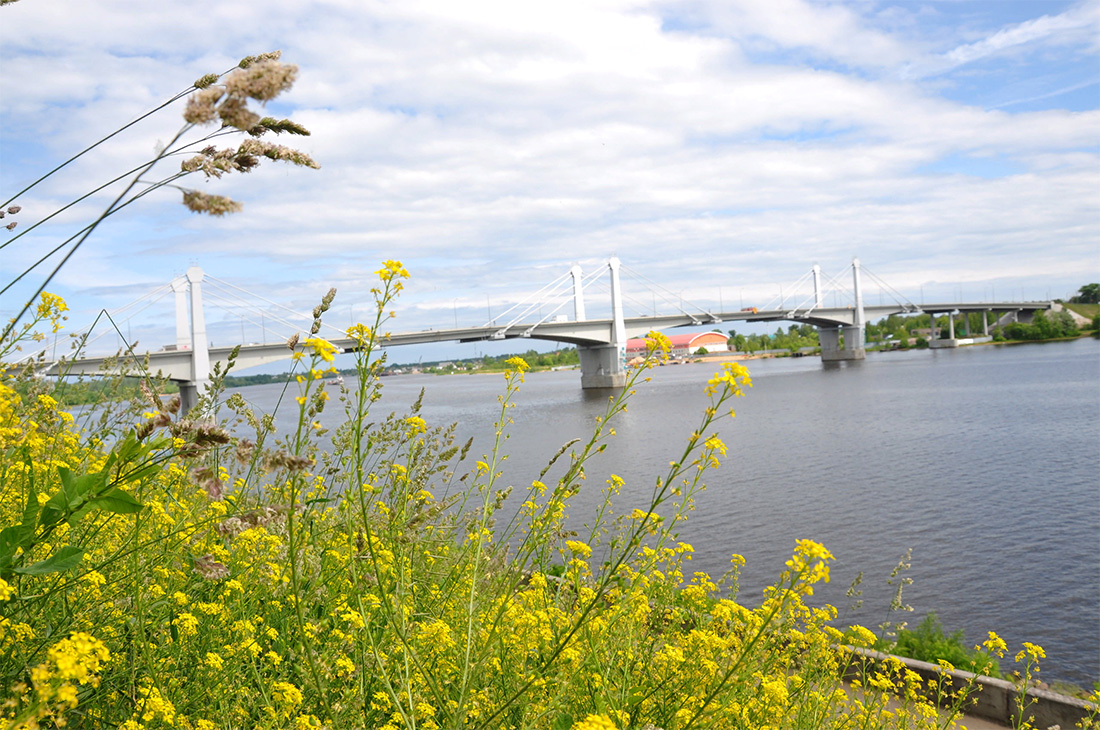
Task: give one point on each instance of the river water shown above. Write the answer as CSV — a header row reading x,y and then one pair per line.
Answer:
x,y
984,460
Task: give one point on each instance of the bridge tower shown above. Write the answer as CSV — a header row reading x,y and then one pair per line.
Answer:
x,y
200,348
604,366
578,294
853,348
183,325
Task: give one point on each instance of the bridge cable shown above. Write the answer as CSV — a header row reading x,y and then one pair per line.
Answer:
x,y
267,314
218,293
781,300
641,308
794,287
899,298
162,291
237,300
554,285
671,298
268,301
237,313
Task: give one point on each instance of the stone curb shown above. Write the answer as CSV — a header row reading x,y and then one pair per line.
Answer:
x,y
996,699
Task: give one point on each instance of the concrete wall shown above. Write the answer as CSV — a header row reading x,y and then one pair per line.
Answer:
x,y
995,700
1077,318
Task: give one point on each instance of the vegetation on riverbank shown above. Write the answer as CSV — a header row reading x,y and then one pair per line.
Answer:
x,y
564,358
386,583
1041,327
91,391
928,643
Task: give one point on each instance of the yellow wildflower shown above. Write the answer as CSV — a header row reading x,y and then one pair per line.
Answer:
x,y
321,347
517,363
595,722
391,270
733,376
286,694
579,548
1031,652
995,644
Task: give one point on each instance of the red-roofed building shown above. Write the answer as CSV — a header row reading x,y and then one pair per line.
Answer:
x,y
683,345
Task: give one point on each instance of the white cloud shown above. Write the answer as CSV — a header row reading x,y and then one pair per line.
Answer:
x,y
831,31
490,144
1077,26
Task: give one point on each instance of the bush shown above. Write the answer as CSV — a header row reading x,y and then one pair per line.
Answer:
x,y
929,643
1043,327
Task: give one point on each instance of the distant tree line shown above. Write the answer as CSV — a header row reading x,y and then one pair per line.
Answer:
x,y
84,391
564,357
793,339
1088,294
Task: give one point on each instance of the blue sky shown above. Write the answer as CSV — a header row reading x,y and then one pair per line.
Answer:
x,y
720,148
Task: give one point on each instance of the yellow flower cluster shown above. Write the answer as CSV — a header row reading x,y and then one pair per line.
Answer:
x,y
733,377
50,307
392,270
1030,652
658,344
595,722
384,592
321,348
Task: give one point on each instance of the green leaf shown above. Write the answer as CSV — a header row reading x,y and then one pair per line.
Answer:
x,y
53,510
117,501
66,476
563,722
30,509
66,558
11,539
128,449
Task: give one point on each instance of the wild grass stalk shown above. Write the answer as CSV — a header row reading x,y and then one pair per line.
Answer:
x,y
372,580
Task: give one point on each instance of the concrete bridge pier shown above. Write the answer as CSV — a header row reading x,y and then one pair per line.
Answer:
x,y
951,341
853,333
831,349
604,366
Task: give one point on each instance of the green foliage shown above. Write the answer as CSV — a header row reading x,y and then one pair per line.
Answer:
x,y
793,339
565,357
83,391
1088,294
929,643
377,581
1043,327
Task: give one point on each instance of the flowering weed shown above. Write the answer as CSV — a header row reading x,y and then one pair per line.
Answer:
x,y
194,577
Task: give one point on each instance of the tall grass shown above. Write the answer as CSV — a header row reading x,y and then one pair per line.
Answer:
x,y
199,576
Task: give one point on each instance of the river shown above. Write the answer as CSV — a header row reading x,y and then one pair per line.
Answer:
x,y
984,460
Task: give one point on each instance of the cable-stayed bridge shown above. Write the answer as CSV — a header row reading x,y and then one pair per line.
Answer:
x,y
601,341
